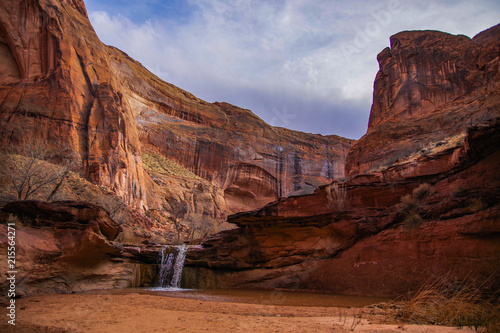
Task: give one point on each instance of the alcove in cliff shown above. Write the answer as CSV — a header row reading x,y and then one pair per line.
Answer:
x,y
9,69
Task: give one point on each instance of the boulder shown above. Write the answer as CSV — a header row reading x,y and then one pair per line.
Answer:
x,y
66,247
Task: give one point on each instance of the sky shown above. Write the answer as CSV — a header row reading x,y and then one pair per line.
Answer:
x,y
307,65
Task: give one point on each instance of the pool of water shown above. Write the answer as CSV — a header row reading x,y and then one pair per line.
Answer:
x,y
258,296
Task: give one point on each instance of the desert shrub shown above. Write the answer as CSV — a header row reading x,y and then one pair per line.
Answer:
x,y
475,205
31,168
409,205
445,302
422,191
336,194
412,220
408,202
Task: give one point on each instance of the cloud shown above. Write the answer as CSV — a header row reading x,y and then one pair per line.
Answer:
x,y
315,59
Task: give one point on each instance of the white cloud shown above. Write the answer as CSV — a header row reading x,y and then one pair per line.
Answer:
x,y
310,57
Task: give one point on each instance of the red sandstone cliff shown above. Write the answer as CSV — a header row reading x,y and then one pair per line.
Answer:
x,y
422,199
387,242
59,81
61,86
431,87
434,120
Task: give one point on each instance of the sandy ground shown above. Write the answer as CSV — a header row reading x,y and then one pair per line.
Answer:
x,y
149,313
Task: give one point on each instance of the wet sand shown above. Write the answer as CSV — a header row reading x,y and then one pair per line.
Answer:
x,y
136,310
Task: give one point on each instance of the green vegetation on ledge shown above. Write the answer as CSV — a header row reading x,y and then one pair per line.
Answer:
x,y
161,164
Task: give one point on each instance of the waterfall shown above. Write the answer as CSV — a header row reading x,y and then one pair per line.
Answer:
x,y
171,262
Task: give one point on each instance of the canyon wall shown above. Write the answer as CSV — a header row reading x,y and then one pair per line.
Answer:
x,y
390,239
251,161
431,87
422,198
96,104
66,247
66,93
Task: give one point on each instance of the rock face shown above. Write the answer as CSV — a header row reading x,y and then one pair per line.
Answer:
x,y
217,142
391,238
422,199
65,247
65,91
177,158
68,215
62,83
430,88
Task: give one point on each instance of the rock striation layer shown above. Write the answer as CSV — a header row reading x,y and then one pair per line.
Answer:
x,y
390,239
62,83
431,87
66,92
65,247
422,198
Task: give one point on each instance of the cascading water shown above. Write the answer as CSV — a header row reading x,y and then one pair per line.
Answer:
x,y
171,261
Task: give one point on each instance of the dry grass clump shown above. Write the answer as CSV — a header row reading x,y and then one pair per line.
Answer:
x,y
336,195
411,201
460,304
410,204
412,220
422,191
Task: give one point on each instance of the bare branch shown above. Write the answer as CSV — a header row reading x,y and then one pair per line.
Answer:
x,y
28,168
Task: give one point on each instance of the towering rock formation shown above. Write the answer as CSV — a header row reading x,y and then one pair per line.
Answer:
x,y
61,86
422,199
59,81
435,119
431,87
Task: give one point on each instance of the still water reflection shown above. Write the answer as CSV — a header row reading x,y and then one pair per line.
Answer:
x,y
264,297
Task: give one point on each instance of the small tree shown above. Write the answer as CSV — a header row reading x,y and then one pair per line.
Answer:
x,y
27,168
114,205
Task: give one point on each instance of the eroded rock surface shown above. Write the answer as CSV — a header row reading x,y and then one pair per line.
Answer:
x,y
422,198
431,87
381,245
62,83
65,247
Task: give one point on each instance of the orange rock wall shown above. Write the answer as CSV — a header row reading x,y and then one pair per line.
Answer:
x,y
64,84
434,121
430,88
67,93
368,249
